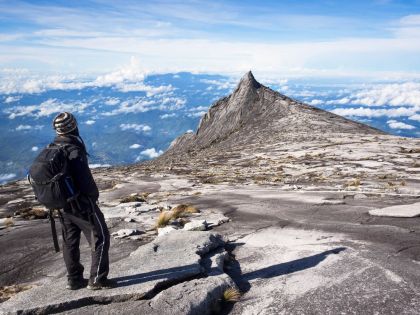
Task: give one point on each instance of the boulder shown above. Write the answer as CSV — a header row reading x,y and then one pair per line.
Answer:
x,y
196,225
168,264
216,219
359,196
166,230
401,211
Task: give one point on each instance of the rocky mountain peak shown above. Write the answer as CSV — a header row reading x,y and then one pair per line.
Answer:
x,y
248,80
255,113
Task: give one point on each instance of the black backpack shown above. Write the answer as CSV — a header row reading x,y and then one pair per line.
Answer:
x,y
50,179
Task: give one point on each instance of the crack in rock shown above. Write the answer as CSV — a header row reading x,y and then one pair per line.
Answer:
x,y
144,274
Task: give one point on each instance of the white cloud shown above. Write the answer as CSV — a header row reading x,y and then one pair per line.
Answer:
x,y
46,108
396,94
132,72
390,94
165,116
198,108
197,114
11,99
220,84
6,177
99,165
34,149
150,153
112,101
328,57
415,117
135,127
141,87
128,78
135,146
172,103
399,125
369,112
315,102
90,122
141,105
28,127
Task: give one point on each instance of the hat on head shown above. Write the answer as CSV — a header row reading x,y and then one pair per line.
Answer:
x,y
64,123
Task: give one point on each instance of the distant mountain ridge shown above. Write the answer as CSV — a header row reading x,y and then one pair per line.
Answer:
x,y
255,113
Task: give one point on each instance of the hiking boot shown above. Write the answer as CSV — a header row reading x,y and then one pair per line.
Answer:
x,y
104,284
75,284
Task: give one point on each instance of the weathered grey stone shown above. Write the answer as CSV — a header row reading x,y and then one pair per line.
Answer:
x,y
197,296
200,296
359,196
196,225
166,230
402,211
125,232
167,260
16,201
215,219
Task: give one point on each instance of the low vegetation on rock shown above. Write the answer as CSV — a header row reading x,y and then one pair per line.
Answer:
x,y
9,222
231,295
135,198
33,213
7,292
163,219
177,213
183,210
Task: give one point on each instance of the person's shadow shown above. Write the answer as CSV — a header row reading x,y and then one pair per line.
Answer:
x,y
234,270
183,272
242,280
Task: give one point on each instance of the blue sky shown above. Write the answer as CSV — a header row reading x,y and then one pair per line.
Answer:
x,y
377,39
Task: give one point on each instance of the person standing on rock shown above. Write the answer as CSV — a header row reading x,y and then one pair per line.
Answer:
x,y
83,215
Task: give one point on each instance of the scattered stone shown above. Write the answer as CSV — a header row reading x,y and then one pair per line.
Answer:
x,y
166,230
196,225
125,232
359,196
135,237
129,220
216,219
400,211
16,201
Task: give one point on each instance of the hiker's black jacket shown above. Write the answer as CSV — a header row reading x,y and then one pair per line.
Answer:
x,y
79,170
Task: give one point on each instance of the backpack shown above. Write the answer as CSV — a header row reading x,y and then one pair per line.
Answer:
x,y
50,178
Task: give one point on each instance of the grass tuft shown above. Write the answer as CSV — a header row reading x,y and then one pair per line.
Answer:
x,y
7,292
355,182
163,219
231,295
135,198
183,210
33,213
9,222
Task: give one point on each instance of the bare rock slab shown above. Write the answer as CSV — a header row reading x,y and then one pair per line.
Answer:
x,y
196,225
400,211
164,262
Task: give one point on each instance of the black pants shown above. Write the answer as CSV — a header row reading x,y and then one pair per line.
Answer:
x,y
97,234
